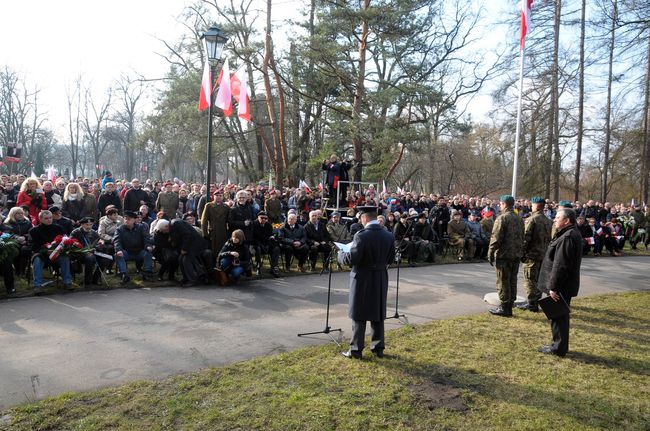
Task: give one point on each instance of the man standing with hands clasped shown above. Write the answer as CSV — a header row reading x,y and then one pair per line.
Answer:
x,y
560,275
373,249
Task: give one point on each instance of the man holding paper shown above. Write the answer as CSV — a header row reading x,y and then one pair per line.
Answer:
x,y
560,276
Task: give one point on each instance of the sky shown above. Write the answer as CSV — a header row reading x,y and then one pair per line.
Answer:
x,y
50,43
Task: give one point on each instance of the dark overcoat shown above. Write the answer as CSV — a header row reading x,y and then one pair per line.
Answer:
x,y
185,237
560,269
373,248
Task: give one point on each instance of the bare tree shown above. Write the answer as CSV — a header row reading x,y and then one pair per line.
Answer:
x,y
95,121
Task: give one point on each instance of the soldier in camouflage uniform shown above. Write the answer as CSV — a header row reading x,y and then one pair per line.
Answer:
x,y
537,235
505,252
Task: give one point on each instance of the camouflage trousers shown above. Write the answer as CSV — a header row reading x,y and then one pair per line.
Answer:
x,y
531,274
507,270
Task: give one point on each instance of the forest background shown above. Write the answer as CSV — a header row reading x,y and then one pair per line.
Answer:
x,y
391,85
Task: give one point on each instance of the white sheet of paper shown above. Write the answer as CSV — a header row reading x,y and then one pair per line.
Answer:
x,y
343,247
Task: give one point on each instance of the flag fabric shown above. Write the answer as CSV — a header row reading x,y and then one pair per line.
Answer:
x,y
383,187
239,87
303,185
632,203
224,95
526,8
205,96
32,174
51,174
320,187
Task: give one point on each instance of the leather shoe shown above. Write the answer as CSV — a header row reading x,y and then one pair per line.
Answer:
x,y
351,354
548,350
378,353
528,306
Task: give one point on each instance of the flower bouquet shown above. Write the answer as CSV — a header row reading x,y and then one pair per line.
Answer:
x,y
64,245
9,247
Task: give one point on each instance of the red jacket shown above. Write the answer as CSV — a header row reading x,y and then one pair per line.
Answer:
x,y
25,200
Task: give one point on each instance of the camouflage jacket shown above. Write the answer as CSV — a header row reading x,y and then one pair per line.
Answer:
x,y
507,240
537,235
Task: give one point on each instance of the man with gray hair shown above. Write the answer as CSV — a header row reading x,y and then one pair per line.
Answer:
x,y
560,276
42,234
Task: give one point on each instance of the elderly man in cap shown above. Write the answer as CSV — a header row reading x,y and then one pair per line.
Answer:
x,y
88,238
133,242
273,207
265,243
317,239
373,249
337,230
505,252
537,235
136,196
65,223
167,201
460,236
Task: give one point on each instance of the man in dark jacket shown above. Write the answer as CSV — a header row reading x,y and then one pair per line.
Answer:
x,y
293,241
88,238
265,242
195,258
57,218
109,197
136,197
317,239
560,275
373,249
42,234
133,242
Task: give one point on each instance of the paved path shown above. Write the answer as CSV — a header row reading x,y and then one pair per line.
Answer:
x,y
86,340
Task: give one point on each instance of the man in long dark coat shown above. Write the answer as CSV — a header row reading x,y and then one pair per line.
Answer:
x,y
560,275
373,249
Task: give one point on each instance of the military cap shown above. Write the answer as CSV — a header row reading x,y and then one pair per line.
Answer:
x,y
538,200
55,209
262,213
565,204
131,214
507,199
368,210
86,220
336,214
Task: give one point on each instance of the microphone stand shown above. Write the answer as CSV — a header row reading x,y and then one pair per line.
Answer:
x,y
328,330
398,254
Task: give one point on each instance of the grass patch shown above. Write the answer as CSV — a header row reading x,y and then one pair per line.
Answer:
x,y
478,372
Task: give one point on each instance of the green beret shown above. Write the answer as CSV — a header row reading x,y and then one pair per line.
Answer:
x,y
565,204
507,199
538,200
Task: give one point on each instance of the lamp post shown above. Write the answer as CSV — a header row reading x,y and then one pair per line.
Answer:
x,y
214,40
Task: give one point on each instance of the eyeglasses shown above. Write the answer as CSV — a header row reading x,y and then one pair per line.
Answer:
x,y
263,218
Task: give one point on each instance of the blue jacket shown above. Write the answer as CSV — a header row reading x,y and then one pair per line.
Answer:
x,y
133,241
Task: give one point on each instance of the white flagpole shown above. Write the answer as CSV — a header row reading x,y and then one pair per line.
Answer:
x,y
518,129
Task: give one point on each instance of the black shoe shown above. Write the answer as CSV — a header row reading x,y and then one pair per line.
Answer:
x,y
68,286
147,276
11,291
313,267
258,271
352,354
125,279
501,310
378,353
530,307
39,291
548,350
275,272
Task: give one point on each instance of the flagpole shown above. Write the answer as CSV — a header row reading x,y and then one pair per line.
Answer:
x,y
518,129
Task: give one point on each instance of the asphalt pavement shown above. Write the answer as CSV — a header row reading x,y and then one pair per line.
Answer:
x,y
85,340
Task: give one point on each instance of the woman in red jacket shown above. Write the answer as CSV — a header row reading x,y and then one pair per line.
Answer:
x,y
31,196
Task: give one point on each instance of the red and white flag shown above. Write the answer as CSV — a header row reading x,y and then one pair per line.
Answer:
x,y
224,95
239,88
526,7
320,187
205,96
303,185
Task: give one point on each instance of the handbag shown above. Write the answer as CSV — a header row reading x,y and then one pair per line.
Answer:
x,y
222,277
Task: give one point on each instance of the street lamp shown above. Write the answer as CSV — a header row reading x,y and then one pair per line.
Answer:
x,y
214,40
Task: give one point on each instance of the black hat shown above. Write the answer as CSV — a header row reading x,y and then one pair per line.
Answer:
x,y
262,213
189,214
372,210
55,209
86,220
131,214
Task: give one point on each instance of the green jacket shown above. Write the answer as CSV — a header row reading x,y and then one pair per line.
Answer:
x,y
537,235
507,240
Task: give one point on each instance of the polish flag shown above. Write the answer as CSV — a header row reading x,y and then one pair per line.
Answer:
x,y
526,7
303,185
205,96
224,95
320,187
239,88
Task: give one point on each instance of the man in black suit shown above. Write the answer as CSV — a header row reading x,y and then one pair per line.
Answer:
x,y
373,249
560,275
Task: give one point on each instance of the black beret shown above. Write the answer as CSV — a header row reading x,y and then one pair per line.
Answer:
x,y
131,214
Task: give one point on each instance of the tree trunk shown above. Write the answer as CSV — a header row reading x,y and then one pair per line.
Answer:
x,y
359,93
268,43
608,112
581,104
645,160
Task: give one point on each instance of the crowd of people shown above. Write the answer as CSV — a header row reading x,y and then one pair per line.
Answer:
x,y
168,226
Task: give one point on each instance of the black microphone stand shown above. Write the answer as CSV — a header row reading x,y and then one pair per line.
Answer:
x,y
328,330
398,256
